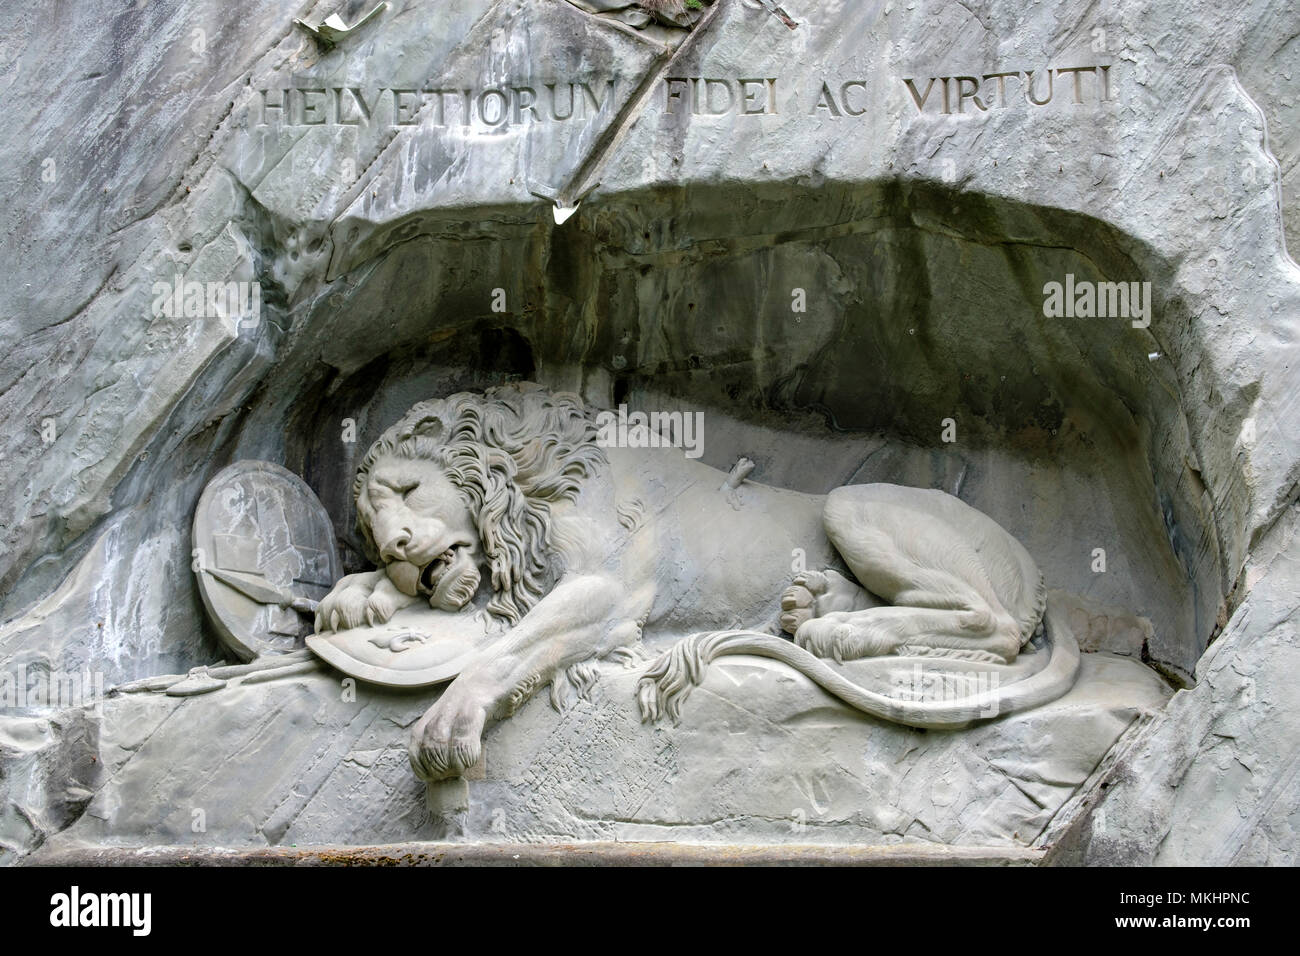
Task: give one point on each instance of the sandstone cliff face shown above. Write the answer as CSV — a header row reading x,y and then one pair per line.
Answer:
x,y
832,239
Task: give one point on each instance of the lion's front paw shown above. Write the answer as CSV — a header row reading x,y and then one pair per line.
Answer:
x,y
348,604
446,742
381,605
342,608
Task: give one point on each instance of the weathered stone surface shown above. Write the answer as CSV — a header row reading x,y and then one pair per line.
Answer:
x,y
47,765
922,240
1213,782
765,757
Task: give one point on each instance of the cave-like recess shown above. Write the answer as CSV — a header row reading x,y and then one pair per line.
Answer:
x,y
922,304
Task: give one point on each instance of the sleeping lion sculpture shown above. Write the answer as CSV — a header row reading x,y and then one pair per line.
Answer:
x,y
584,547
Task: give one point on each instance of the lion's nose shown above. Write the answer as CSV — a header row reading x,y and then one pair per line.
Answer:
x,y
395,548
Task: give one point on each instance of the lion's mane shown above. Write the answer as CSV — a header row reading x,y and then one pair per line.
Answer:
x,y
511,451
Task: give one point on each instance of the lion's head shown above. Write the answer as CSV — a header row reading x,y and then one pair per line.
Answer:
x,y
475,471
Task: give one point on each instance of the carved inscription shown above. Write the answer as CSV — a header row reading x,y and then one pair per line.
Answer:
x,y
978,94
850,101
705,96
507,105
710,96
840,97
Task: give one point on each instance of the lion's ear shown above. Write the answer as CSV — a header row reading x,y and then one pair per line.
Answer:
x,y
427,426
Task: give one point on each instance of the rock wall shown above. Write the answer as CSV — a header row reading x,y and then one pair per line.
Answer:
x,y
899,167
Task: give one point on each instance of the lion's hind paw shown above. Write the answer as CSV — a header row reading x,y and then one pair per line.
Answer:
x,y
845,636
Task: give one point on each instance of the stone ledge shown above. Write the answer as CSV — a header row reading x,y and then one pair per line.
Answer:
x,y
552,854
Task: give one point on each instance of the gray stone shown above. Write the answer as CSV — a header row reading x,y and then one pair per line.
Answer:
x,y
313,759
1213,782
921,239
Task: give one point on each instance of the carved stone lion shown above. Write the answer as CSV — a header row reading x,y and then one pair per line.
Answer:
x,y
583,547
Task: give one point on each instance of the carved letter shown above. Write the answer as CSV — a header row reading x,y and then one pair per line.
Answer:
x,y
267,105
590,97
963,96
1029,88
555,113
844,97
399,107
747,98
524,98
1078,82
1002,85
310,109
673,95
367,109
919,98
502,108
339,113
709,86
826,102
441,117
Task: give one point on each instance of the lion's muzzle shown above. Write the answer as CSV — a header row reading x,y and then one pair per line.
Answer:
x,y
451,579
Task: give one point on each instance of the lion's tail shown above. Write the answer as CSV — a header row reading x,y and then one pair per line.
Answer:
x,y
664,687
